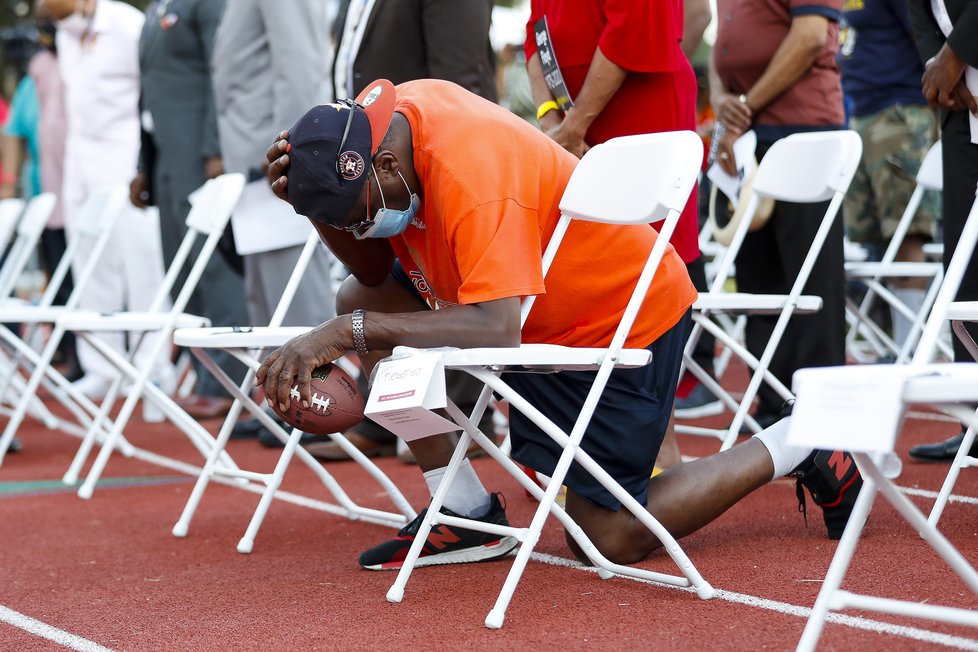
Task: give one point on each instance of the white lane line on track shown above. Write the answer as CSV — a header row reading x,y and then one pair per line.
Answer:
x,y
44,630
926,493
930,416
856,622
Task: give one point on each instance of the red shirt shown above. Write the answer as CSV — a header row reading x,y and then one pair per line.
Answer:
x,y
659,93
749,34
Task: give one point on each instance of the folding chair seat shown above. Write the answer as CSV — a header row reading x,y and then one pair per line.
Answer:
x,y
873,274
631,180
207,218
247,344
22,353
948,388
801,168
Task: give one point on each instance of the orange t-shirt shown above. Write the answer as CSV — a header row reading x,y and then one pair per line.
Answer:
x,y
490,188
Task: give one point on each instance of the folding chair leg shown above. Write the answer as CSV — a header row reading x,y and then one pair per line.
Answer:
x,y
396,592
94,433
30,391
961,460
272,482
831,598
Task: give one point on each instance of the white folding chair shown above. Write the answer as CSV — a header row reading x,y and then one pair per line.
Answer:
x,y
874,274
207,219
959,313
91,234
801,168
949,388
246,344
632,180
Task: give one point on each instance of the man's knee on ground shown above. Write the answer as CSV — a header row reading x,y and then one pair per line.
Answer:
x,y
619,536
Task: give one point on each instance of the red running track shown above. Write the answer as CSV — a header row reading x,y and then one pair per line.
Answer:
x,y
108,570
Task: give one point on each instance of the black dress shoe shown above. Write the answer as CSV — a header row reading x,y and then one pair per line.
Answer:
x,y
942,451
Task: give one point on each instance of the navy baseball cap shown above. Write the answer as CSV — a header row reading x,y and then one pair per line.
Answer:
x,y
331,147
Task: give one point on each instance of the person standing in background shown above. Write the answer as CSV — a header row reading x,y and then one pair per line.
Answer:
x,y
270,64
97,43
881,76
434,39
625,69
945,31
174,58
774,70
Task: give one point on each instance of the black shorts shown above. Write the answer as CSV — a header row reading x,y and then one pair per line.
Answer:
x,y
627,427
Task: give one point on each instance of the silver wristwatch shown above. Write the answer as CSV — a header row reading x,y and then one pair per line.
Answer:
x,y
359,341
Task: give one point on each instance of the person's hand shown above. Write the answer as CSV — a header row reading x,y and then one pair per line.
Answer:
x,y
734,114
292,364
943,82
277,160
725,154
213,167
568,137
138,193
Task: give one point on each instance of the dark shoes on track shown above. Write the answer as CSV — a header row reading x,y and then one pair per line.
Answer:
x,y
834,482
445,545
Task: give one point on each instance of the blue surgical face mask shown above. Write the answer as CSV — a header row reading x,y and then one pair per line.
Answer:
x,y
388,222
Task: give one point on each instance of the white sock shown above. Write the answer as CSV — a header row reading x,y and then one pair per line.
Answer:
x,y
914,299
466,496
785,456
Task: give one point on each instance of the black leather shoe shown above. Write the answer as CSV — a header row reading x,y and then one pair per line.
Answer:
x,y
942,451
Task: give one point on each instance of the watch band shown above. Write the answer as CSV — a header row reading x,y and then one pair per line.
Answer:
x,y
359,340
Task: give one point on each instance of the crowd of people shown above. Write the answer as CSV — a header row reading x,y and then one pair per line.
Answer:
x,y
438,197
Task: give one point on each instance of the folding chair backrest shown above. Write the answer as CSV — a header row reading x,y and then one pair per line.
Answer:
x,y
929,177
211,210
29,228
91,232
10,210
285,301
630,180
956,267
801,168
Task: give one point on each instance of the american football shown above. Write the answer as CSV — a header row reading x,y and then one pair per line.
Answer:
x,y
335,405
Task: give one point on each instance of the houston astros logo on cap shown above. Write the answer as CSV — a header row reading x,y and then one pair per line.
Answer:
x,y
350,165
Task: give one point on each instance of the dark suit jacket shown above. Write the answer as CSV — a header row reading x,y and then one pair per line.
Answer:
x,y
964,35
419,39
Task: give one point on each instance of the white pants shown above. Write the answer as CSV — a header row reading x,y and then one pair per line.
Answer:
x,y
131,269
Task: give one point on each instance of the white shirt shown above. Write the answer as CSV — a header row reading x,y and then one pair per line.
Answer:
x,y
350,39
101,77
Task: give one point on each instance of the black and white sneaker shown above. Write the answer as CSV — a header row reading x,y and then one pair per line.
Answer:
x,y
834,482
445,544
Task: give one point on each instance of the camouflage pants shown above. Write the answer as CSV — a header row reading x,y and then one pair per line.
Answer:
x,y
895,141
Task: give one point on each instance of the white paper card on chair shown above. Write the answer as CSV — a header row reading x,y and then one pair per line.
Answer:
x,y
848,408
263,222
404,394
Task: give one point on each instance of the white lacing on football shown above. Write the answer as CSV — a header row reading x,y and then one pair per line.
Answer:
x,y
321,401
